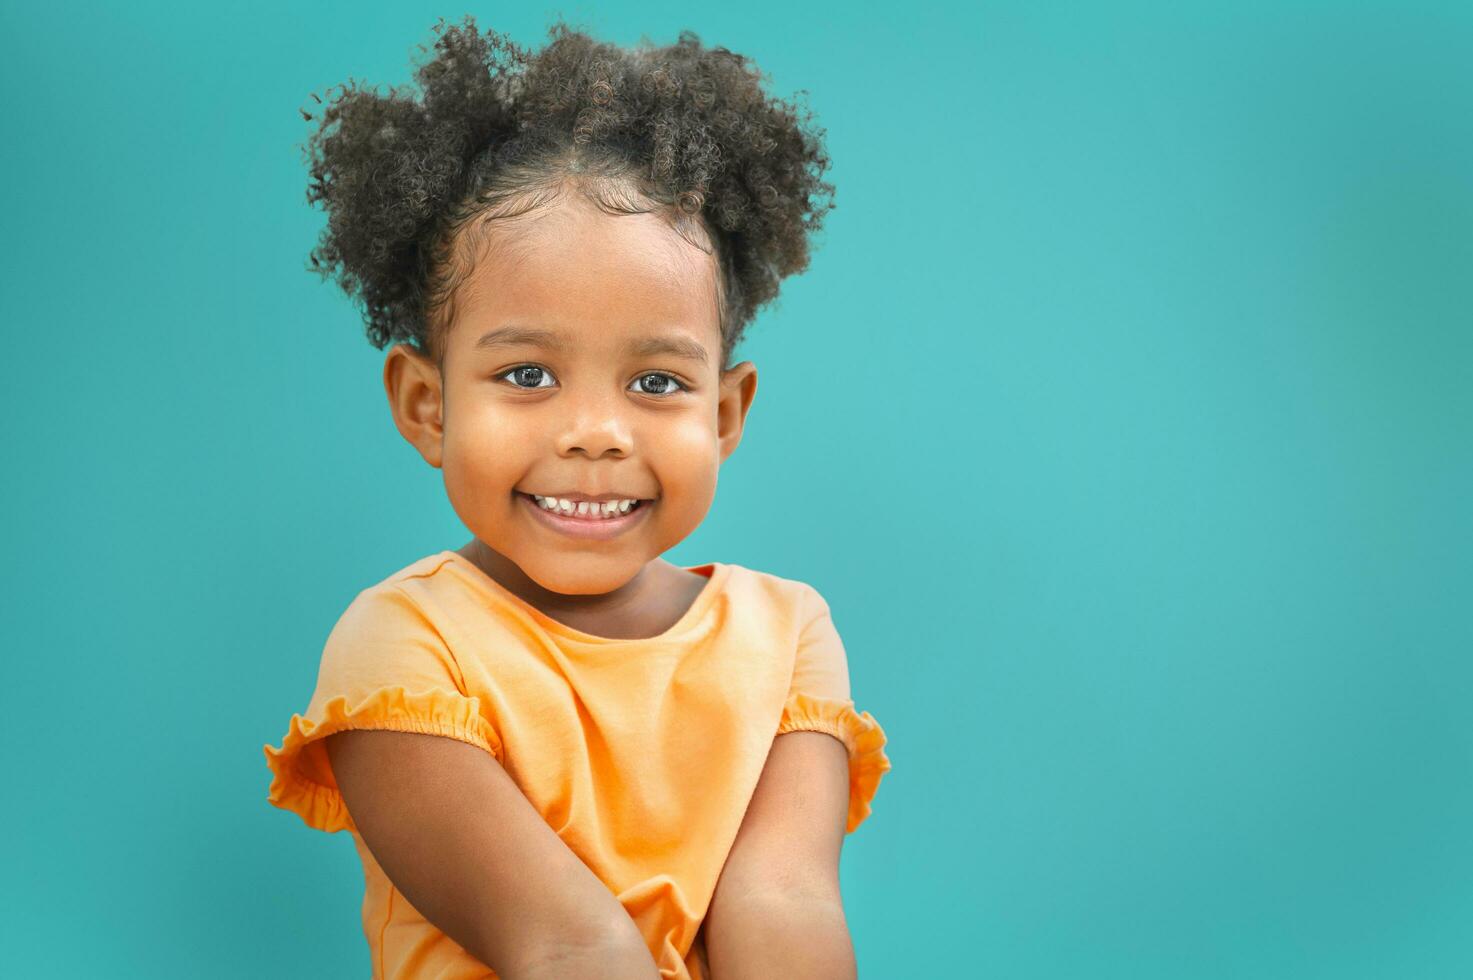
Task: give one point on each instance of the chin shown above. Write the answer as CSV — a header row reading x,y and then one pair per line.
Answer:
x,y
584,574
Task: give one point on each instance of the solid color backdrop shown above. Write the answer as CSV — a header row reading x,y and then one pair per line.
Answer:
x,y
1123,418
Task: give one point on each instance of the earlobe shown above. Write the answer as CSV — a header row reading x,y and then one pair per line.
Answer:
x,y
738,388
413,386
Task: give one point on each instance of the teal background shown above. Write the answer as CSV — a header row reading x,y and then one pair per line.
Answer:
x,y
1123,418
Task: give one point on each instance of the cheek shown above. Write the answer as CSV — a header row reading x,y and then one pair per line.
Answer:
x,y
687,460
480,463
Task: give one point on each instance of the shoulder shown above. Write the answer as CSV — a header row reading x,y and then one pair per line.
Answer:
x,y
436,568
398,589
405,580
416,604
789,598
443,588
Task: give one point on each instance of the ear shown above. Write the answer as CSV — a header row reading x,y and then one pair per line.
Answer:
x,y
738,387
413,385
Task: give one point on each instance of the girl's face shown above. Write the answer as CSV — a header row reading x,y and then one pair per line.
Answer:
x,y
583,361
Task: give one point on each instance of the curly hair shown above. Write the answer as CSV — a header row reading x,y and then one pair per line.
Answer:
x,y
683,130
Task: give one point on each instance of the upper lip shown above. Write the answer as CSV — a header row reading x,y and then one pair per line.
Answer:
x,y
577,496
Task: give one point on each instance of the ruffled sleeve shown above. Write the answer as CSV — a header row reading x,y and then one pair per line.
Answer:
x,y
819,701
385,667
861,735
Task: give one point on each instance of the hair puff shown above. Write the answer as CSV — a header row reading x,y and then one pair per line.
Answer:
x,y
409,179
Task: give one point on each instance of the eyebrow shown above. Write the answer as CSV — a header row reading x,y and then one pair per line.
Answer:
x,y
672,344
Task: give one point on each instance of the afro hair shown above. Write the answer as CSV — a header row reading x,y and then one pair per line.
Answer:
x,y
409,183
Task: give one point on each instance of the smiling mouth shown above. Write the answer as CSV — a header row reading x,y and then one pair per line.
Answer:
x,y
594,512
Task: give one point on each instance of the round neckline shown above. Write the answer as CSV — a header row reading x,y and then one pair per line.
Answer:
x,y
714,571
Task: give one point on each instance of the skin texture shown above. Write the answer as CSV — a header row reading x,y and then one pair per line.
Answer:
x,y
592,420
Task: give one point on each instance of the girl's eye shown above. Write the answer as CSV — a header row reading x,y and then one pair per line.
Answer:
x,y
661,389
527,372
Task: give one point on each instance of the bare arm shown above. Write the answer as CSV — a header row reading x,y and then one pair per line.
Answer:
x,y
777,910
457,837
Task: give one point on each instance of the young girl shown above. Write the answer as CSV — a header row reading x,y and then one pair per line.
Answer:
x,y
558,754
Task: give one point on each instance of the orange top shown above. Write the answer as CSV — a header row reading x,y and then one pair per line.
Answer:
x,y
642,754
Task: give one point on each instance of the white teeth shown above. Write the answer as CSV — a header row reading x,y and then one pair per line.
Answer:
x,y
596,510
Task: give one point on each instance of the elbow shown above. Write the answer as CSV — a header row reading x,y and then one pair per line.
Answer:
x,y
801,939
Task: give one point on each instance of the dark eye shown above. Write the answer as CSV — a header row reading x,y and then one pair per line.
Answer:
x,y
527,372
661,389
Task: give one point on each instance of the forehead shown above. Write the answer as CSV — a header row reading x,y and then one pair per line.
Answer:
x,y
575,269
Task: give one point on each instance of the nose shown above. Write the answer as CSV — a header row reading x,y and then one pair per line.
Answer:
x,y
596,428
